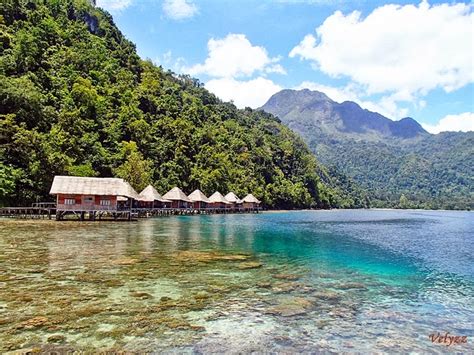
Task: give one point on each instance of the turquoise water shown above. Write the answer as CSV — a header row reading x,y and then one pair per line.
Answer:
x,y
308,281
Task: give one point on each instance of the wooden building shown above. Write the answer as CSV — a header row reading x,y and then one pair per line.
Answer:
x,y
76,194
178,198
199,200
150,198
236,203
218,201
250,202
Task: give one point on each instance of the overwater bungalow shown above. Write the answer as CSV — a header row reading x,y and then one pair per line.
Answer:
x,y
218,201
250,202
79,195
178,198
150,198
236,203
199,200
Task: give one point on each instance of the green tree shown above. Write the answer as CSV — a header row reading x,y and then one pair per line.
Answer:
x,y
135,169
404,203
76,99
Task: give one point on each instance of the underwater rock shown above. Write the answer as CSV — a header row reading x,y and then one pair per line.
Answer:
x,y
165,299
291,307
198,328
235,257
34,323
284,287
287,310
88,311
351,285
264,285
288,277
250,265
113,283
201,295
141,295
125,261
206,257
56,338
327,295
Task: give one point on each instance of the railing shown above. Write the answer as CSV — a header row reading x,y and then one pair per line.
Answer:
x,y
44,204
63,207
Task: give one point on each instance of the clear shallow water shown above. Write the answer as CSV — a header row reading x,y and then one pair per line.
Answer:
x,y
292,281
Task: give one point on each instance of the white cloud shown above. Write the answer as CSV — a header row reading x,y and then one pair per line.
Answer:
x,y
114,5
179,9
276,68
463,122
386,105
234,56
395,49
168,61
253,93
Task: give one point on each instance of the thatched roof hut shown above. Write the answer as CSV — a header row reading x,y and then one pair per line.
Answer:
x,y
232,198
176,194
198,196
251,199
78,185
217,197
149,194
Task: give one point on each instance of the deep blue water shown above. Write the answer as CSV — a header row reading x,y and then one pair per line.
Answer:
x,y
379,242
418,266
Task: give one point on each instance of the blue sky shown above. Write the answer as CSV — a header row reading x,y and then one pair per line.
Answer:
x,y
399,58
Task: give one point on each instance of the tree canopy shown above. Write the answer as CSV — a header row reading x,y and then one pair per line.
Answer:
x,y
76,99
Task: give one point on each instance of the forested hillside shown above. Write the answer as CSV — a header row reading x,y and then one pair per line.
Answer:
x,y
76,99
398,163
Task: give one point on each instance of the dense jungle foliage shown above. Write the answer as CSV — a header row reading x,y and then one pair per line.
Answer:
x,y
397,163
76,99
435,172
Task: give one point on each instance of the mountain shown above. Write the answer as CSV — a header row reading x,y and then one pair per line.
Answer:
x,y
75,98
387,158
307,111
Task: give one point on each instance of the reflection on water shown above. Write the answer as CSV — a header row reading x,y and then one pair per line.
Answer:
x,y
296,281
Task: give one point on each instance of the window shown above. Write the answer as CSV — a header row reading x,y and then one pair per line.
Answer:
x,y
89,199
105,202
69,201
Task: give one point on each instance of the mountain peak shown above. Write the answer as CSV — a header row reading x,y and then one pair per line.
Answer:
x,y
407,127
306,110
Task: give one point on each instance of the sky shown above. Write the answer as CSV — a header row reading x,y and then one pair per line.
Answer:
x,y
403,58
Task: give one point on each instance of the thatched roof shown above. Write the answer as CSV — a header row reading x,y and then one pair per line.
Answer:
x,y
250,199
232,198
217,197
176,194
149,194
198,196
76,185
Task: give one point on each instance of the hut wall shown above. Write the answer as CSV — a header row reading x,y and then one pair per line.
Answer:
x,y
199,204
179,204
86,202
145,204
219,205
249,205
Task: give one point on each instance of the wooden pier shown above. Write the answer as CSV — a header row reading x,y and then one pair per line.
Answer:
x,y
49,211
34,212
97,199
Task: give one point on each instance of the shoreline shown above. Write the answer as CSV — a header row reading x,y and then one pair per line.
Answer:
x,y
362,209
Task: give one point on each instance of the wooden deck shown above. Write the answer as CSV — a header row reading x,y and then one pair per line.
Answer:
x,y
33,212
49,210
